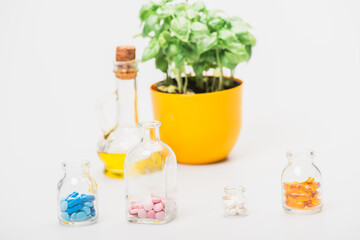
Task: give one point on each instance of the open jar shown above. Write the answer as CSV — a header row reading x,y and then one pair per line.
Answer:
x,y
150,178
77,195
301,183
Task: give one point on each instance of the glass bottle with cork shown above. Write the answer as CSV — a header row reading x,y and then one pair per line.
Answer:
x,y
120,137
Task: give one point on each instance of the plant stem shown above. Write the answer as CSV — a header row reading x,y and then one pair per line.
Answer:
x,y
186,83
179,79
213,84
221,79
206,84
231,80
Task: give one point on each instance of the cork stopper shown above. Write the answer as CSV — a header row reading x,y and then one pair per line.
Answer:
x,y
125,53
125,66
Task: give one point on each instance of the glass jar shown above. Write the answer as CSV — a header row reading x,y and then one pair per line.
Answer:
x,y
77,195
150,178
234,201
301,183
120,132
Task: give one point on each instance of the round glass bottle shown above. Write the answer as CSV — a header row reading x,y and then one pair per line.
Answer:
x,y
301,183
77,195
150,178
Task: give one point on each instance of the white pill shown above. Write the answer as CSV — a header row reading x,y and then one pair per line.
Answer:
x,y
241,211
230,204
233,212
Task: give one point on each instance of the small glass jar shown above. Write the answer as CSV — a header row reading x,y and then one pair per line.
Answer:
x,y
77,195
234,201
301,183
150,178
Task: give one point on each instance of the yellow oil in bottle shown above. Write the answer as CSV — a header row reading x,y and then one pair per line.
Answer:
x,y
114,164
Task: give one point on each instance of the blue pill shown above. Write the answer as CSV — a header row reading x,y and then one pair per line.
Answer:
x,y
73,216
93,213
74,209
74,201
88,198
88,204
65,216
81,216
73,195
63,206
86,210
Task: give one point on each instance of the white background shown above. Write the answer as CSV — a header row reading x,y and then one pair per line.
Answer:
x,y
301,87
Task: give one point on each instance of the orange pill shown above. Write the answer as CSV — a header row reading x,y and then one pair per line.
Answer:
x,y
299,196
314,203
295,204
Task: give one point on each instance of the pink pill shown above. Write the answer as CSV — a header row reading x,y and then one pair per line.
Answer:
x,y
151,214
142,213
136,205
148,205
163,202
134,211
158,207
156,200
160,215
132,216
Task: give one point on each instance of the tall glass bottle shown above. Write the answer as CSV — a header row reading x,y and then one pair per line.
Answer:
x,y
301,183
119,139
150,178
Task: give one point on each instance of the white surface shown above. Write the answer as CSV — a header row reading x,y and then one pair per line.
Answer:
x,y
301,87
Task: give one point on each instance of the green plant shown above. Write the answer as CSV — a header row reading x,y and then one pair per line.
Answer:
x,y
187,38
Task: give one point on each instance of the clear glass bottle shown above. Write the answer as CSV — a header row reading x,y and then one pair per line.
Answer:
x,y
234,201
77,195
120,137
301,183
150,178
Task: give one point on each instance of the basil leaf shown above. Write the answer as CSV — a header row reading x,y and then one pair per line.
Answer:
x,y
179,60
238,25
145,11
150,25
198,69
173,50
199,27
191,13
216,24
227,35
206,42
151,50
231,60
199,6
164,38
180,26
246,38
161,63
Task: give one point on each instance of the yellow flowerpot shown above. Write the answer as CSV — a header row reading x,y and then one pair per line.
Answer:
x,y
200,128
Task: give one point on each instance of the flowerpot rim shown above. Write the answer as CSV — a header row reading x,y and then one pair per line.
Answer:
x,y
153,88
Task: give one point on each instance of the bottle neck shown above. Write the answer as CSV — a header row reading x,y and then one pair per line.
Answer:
x,y
149,131
127,102
302,156
77,169
150,134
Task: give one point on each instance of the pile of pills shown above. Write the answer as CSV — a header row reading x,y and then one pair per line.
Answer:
x,y
152,207
234,206
303,195
76,207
